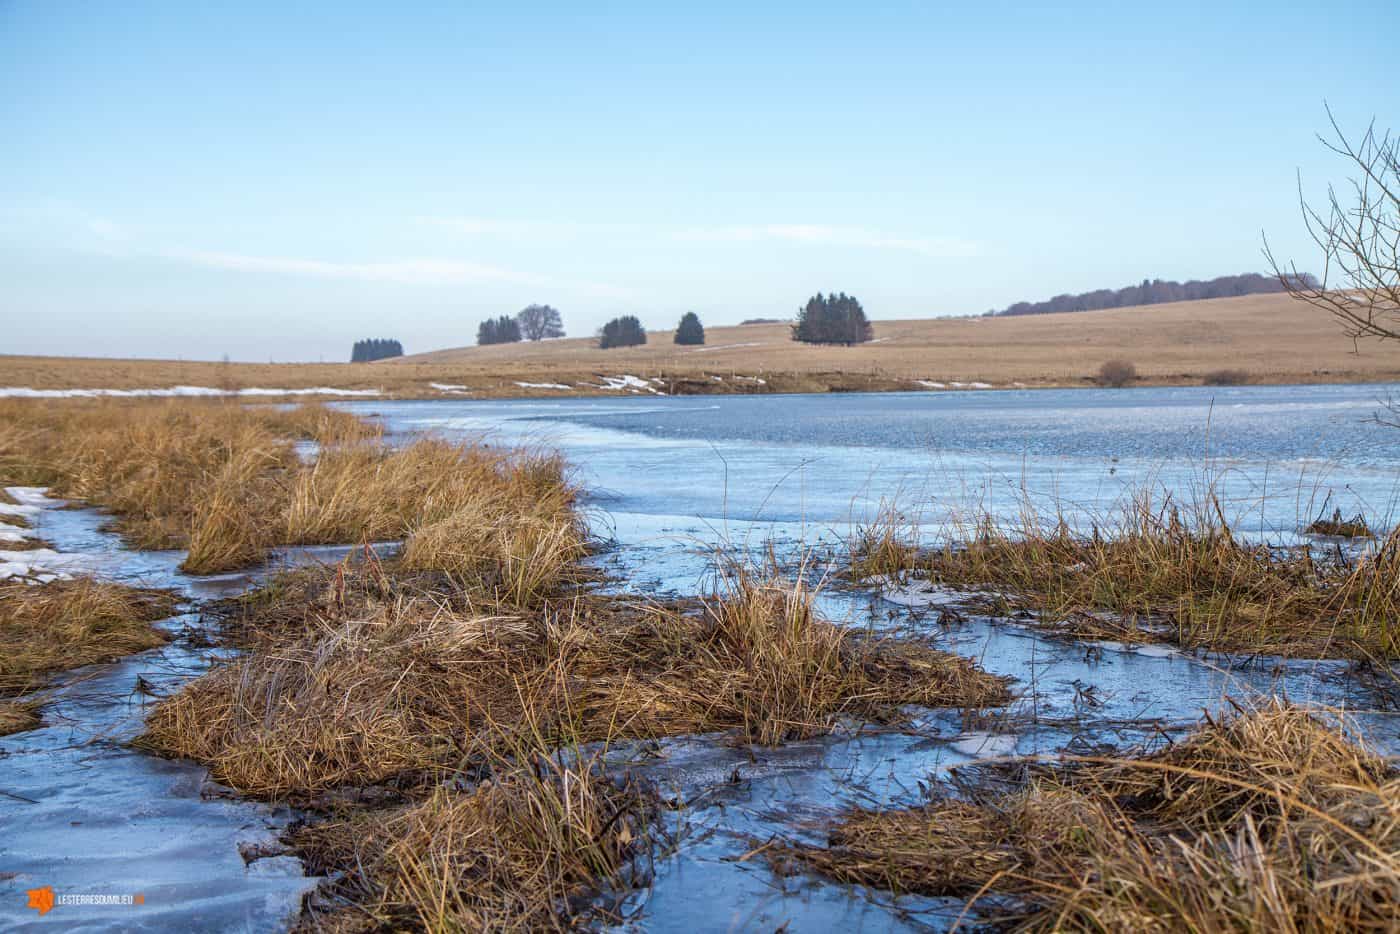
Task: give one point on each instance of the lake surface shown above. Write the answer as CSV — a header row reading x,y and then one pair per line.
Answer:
x,y
1275,454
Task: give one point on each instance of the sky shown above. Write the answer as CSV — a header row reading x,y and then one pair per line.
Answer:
x,y
273,181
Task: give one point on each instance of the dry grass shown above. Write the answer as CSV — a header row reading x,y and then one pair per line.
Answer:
x,y
1271,336
19,716
373,678
224,481
1269,820
1150,574
522,852
1338,527
65,624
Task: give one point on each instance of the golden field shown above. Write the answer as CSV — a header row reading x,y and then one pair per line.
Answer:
x,y
1272,338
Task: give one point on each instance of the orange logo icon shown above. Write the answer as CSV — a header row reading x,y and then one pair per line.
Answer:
x,y
41,899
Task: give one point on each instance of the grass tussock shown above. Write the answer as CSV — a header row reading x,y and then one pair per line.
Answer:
x,y
45,628
1335,526
1267,820
524,851
225,482
1152,575
375,678
19,716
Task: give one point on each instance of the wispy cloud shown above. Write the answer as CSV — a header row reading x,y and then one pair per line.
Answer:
x,y
403,271
412,271
830,235
809,234
525,229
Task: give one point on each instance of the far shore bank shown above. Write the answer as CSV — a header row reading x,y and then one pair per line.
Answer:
x,y
1255,340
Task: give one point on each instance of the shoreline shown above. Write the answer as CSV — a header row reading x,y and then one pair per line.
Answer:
x,y
768,384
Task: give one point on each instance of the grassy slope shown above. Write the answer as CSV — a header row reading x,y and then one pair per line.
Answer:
x,y
1271,337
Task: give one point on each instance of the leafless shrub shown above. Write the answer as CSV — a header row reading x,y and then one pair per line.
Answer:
x,y
1225,378
1117,373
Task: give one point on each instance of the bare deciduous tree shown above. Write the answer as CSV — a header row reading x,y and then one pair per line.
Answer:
x,y
1358,232
538,322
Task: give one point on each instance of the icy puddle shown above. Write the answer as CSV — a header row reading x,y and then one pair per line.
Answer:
x,y
84,813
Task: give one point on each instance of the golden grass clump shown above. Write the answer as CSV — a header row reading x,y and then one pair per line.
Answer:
x,y
65,624
225,481
19,716
1336,526
1271,819
1153,575
389,678
524,851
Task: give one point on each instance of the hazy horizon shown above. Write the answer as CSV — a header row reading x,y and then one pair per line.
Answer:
x,y
274,184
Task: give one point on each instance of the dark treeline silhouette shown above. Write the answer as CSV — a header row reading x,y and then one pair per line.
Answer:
x,y
375,348
626,331
1153,292
760,321
833,319
690,330
502,330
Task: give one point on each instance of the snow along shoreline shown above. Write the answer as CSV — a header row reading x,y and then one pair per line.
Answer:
x,y
24,392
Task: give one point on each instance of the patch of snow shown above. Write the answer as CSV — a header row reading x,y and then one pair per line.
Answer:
x,y
914,593
24,392
33,496
11,533
753,379
33,565
726,347
930,384
545,386
957,385
449,387
632,383
986,744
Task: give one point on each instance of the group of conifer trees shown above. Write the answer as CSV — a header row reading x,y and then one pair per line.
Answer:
x,y
502,330
375,348
831,319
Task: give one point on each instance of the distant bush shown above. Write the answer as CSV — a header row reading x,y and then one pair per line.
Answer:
x,y
690,330
375,348
1117,373
760,321
502,330
833,319
1225,378
537,322
626,331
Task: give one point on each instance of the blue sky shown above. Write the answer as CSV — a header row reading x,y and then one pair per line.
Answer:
x,y
273,184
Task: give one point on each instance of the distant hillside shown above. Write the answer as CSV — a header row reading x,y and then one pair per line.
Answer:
x,y
1153,292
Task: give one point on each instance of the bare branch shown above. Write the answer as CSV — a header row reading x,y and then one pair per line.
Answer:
x,y
1359,239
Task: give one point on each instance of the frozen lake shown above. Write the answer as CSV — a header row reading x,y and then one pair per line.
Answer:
x,y
669,480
